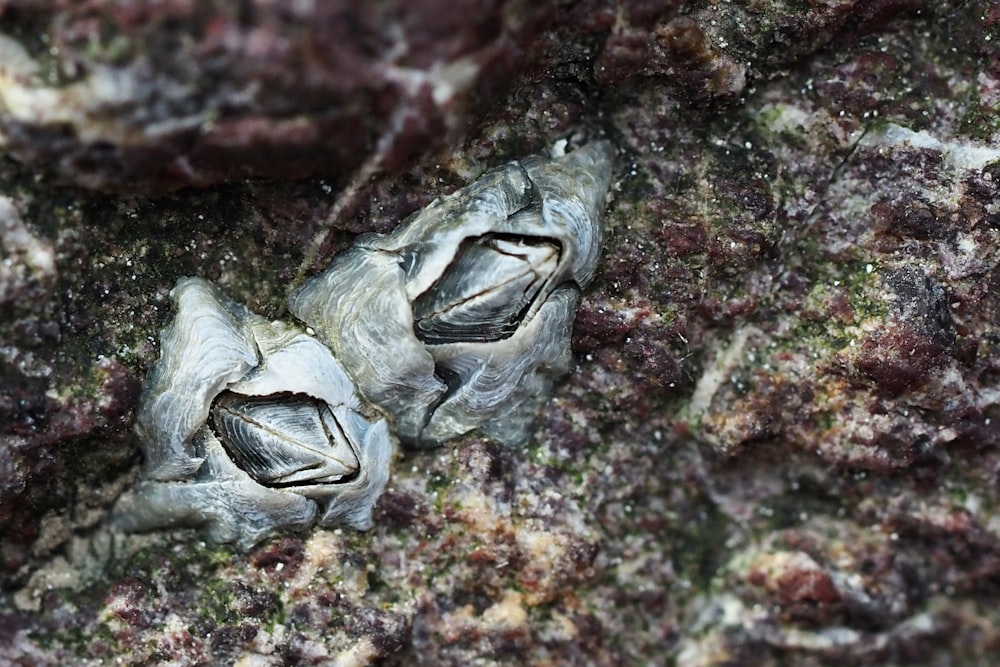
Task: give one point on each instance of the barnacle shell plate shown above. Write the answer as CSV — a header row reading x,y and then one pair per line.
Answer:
x,y
215,345
433,388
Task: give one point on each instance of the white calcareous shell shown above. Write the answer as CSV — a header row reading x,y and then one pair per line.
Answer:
x,y
461,317
217,355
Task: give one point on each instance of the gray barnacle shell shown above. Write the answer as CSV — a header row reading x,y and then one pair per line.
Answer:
x,y
461,317
250,427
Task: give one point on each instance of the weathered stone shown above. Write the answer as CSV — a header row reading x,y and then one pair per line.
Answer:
x,y
778,444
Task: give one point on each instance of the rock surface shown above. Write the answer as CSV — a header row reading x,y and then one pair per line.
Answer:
x,y
779,443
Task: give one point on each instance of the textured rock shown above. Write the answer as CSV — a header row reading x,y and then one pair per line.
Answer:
x,y
778,444
133,95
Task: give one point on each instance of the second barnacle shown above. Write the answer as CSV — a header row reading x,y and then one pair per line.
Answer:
x,y
248,428
461,317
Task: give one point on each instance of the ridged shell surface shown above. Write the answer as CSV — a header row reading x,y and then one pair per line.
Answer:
x,y
513,248
215,346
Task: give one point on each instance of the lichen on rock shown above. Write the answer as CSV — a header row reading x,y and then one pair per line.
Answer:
x,y
777,442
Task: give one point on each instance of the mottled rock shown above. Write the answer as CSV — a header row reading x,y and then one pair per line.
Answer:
x,y
125,96
778,442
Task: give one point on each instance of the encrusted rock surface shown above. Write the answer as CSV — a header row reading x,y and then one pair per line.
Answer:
x,y
135,95
780,441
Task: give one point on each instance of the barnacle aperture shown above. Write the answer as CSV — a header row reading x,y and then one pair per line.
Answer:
x,y
283,440
250,427
512,272
461,317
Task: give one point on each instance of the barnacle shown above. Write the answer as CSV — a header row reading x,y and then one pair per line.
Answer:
x,y
461,317
250,427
